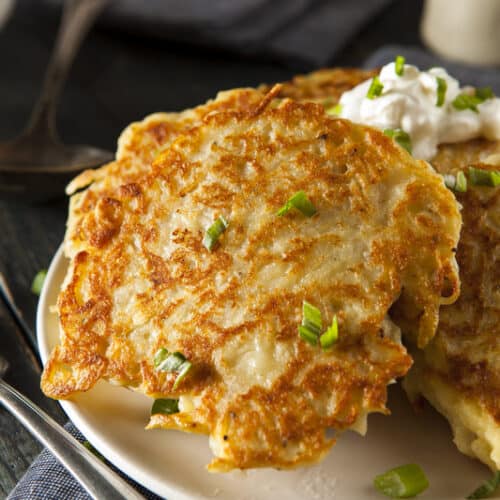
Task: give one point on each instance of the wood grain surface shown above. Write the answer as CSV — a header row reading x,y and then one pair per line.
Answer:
x,y
117,78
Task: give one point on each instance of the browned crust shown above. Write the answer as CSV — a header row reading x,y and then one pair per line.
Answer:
x,y
256,160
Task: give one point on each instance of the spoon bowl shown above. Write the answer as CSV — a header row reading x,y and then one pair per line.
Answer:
x,y
36,165
35,169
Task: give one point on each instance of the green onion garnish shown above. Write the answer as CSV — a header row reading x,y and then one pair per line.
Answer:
x,y
330,336
467,101
399,65
461,183
335,110
375,89
312,326
479,177
172,362
402,482
485,93
458,183
309,336
301,202
36,286
160,356
442,86
214,232
89,447
487,488
165,406
449,181
400,136
311,318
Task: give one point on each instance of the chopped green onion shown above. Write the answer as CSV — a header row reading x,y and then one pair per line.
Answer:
x,y
92,450
330,336
301,202
458,183
37,285
487,488
311,318
375,89
479,177
402,482
467,101
160,356
214,232
312,326
335,110
485,93
401,137
184,369
449,181
172,362
461,183
309,336
399,65
442,86
165,406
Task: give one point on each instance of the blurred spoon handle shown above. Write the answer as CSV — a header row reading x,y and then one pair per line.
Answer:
x,y
97,478
77,18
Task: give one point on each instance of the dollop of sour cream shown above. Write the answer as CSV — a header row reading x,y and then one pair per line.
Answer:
x,y
409,102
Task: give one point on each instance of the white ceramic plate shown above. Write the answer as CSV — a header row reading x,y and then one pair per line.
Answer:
x,y
172,464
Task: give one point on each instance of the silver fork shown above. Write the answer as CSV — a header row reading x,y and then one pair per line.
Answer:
x,y
97,478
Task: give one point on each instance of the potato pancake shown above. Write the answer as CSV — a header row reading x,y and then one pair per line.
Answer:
x,y
459,371
141,279
324,86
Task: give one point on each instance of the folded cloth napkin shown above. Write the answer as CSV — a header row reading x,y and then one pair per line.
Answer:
x,y
47,479
466,75
309,32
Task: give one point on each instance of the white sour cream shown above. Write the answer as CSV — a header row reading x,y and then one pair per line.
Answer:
x,y
408,102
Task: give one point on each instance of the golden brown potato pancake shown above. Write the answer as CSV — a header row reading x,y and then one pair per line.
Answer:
x,y
459,371
140,278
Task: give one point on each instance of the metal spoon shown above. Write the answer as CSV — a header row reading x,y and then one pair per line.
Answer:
x,y
36,165
96,477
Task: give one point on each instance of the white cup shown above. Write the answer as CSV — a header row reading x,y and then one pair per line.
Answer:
x,y
463,30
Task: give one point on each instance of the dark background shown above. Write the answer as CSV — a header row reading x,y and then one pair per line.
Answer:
x,y
117,78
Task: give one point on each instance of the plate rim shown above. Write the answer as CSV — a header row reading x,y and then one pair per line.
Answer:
x,y
70,408
97,436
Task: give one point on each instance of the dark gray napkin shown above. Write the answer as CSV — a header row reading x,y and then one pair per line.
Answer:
x,y
466,75
307,31
47,479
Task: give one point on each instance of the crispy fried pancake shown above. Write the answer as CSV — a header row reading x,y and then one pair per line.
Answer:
x,y
324,86
140,278
459,372
138,145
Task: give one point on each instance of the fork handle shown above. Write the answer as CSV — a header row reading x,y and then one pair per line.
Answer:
x,y
77,18
97,478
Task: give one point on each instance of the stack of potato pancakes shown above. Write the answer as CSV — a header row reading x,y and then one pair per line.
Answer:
x,y
255,264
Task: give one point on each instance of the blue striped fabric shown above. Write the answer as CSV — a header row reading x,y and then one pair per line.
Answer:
x,y
47,479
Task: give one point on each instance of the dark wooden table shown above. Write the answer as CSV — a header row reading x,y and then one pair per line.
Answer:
x,y
117,78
